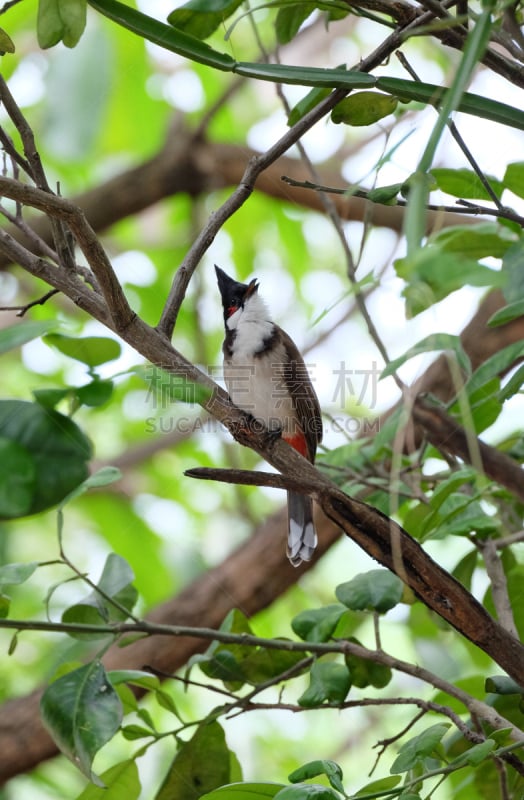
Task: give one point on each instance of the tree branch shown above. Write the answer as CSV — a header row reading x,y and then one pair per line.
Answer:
x,y
65,211
448,436
255,167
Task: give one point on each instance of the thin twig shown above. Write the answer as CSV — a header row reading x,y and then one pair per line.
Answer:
x,y
343,646
22,310
73,216
254,168
61,235
458,138
246,477
499,584
447,435
466,206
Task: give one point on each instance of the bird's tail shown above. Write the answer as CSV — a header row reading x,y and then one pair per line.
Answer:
x,y
302,537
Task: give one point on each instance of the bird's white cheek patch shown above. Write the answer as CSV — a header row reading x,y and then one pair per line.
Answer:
x,y
234,319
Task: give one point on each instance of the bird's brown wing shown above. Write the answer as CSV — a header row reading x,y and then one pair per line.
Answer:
x,y
305,400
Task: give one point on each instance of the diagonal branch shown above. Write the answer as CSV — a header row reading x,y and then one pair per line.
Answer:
x,y
65,211
448,436
255,167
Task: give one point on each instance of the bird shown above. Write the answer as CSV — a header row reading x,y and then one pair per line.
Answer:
x,y
267,378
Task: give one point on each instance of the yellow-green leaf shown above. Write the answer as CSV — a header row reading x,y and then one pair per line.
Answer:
x,y
364,108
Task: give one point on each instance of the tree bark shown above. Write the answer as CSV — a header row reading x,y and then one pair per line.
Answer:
x,y
251,578
186,165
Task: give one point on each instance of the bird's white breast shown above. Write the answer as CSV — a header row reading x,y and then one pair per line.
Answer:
x,y
254,376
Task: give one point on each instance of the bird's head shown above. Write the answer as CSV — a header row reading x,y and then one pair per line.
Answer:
x,y
238,299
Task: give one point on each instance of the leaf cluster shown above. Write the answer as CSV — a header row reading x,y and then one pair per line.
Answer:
x,y
442,481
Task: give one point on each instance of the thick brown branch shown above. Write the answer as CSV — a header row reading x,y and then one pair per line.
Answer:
x,y
253,577
377,535
65,211
246,477
381,538
186,166
447,436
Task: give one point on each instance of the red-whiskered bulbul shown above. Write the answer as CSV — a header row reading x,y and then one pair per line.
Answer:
x,y
266,377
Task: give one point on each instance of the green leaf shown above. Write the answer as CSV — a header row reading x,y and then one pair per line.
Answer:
x,y
514,178
307,791
465,569
385,194
441,509
225,661
23,332
460,477
14,574
378,590
90,350
82,712
49,398
102,477
264,664
116,584
318,624
313,769
365,672
460,515
433,273
494,366
477,754
201,18
192,48
435,341
94,394
5,605
290,18
58,449
502,684
513,289
475,241
484,406
135,676
165,700
414,751
238,664
465,183
6,43
17,479
134,732
378,787
507,314
200,765
163,35
73,13
363,108
433,94
50,28
309,101
328,682
60,20
91,394
305,76
244,791
120,782
515,587
475,44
